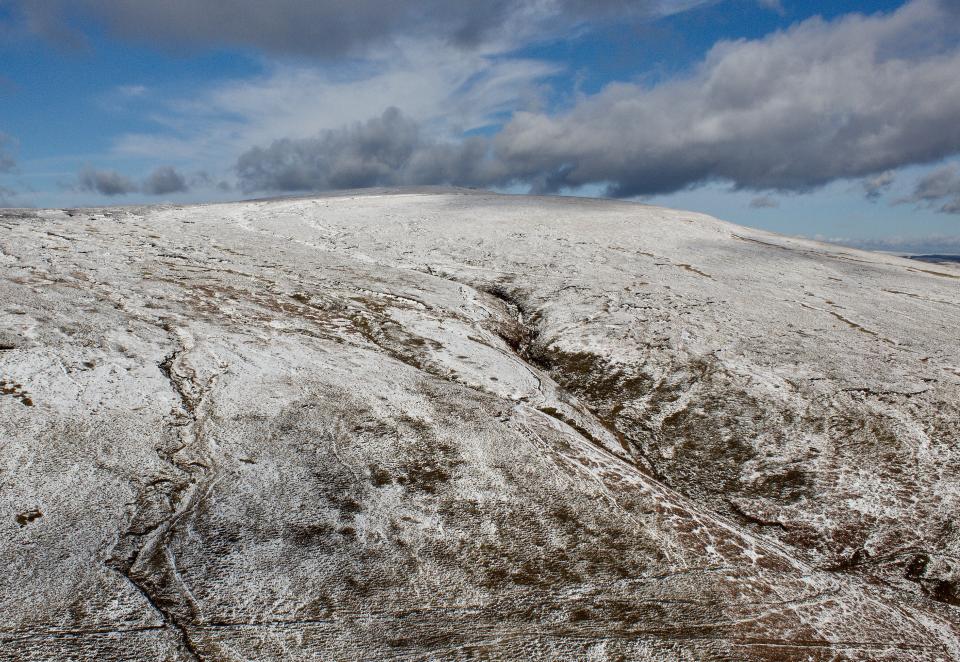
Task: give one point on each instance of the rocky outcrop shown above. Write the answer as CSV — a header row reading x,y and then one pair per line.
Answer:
x,y
453,425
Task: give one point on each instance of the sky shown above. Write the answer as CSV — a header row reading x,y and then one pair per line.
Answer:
x,y
838,120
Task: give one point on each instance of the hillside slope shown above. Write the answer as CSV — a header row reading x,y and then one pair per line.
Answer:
x,y
455,425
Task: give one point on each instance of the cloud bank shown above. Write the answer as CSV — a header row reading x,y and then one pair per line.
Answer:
x,y
388,150
822,101
856,98
790,112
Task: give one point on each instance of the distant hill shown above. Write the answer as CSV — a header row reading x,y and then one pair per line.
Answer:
x,y
937,259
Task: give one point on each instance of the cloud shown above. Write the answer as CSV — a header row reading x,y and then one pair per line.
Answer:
x,y
853,98
876,186
162,181
764,202
369,154
773,5
328,28
105,182
848,99
131,91
789,112
445,90
165,180
383,151
940,183
939,188
7,161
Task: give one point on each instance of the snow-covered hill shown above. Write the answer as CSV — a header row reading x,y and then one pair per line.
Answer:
x,y
457,425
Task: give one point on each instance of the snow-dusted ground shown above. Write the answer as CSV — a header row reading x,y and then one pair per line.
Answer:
x,y
452,425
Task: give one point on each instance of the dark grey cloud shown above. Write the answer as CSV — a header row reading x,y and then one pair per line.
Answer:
x,y
369,154
849,99
105,182
7,146
939,189
164,181
325,27
383,151
764,202
876,186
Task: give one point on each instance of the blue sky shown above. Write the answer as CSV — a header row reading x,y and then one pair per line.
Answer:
x,y
829,119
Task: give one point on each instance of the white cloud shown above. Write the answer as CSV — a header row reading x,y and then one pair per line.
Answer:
x,y
443,88
773,5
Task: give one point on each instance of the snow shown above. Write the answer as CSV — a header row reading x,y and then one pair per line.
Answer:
x,y
451,424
